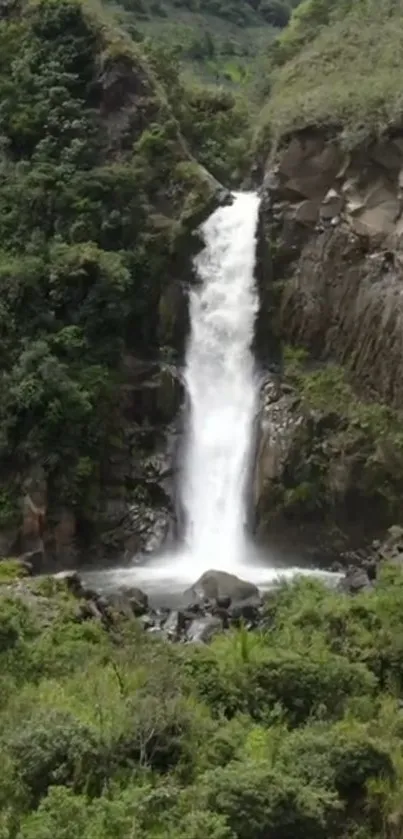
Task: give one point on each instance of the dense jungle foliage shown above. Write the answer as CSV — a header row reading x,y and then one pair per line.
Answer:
x,y
98,187
291,731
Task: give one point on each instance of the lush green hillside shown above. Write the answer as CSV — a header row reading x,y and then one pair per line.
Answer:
x,y
98,193
290,732
218,41
338,63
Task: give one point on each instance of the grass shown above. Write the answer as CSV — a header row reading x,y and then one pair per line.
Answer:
x,y
349,77
12,570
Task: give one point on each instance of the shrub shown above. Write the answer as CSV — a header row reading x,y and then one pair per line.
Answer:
x,y
57,749
260,802
342,761
302,684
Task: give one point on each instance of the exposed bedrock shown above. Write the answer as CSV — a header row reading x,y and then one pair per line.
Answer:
x,y
329,460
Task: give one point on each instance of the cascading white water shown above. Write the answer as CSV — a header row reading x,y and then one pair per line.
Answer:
x,y
222,387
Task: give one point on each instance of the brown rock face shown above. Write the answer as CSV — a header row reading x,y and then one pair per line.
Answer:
x,y
281,431
345,303
334,224
338,229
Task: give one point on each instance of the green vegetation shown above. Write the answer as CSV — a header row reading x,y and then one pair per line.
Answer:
x,y
11,570
214,121
98,194
337,64
216,41
350,450
294,730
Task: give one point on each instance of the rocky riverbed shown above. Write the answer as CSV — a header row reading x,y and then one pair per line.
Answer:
x,y
215,603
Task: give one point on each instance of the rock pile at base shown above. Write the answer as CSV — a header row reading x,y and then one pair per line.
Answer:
x,y
216,602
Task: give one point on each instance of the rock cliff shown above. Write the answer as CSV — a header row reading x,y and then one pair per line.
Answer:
x,y
333,222
336,219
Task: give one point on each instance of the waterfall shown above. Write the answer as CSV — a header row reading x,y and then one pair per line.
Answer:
x,y
222,388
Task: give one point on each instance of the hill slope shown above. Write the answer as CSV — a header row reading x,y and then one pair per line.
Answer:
x,y
218,41
339,65
98,194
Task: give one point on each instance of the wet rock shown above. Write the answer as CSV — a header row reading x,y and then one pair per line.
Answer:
x,y
138,600
171,626
338,297
72,582
193,609
283,429
223,602
217,584
147,621
332,205
89,610
247,611
336,567
371,567
223,614
129,602
391,549
356,580
8,541
143,529
35,560
307,212
203,629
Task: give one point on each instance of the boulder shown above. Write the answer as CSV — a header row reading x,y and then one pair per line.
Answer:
x,y
129,602
138,600
223,602
247,611
218,584
307,212
332,205
35,559
203,629
356,580
308,166
72,582
172,626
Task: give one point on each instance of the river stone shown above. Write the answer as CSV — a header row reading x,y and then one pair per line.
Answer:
x,y
203,629
355,580
171,625
131,601
213,585
72,581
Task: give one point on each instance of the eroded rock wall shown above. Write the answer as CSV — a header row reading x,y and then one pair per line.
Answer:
x,y
335,221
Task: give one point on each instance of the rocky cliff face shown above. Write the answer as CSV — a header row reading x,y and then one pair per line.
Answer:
x,y
333,221
336,220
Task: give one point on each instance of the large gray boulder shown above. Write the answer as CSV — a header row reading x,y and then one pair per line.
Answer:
x,y
214,585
